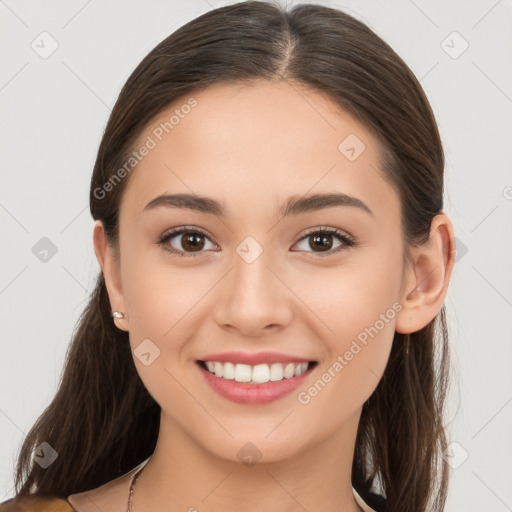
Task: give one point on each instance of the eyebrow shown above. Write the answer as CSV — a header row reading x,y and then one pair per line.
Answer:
x,y
295,205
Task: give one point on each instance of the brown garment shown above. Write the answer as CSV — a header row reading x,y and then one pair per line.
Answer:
x,y
36,504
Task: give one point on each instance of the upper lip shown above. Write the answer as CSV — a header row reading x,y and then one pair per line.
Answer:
x,y
254,359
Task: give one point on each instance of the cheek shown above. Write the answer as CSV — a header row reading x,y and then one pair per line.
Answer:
x,y
351,297
162,318
158,294
165,307
358,305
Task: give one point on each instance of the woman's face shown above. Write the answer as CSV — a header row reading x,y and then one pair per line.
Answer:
x,y
253,281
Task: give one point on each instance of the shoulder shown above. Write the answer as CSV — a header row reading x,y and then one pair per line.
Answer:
x,y
111,497
36,504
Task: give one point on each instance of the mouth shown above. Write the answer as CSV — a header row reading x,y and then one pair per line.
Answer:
x,y
254,384
256,374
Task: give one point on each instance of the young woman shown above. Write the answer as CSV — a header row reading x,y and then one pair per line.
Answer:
x,y
267,331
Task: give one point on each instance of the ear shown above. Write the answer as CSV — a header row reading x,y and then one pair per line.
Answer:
x,y
427,277
109,263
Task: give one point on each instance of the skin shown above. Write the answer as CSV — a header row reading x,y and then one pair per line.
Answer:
x,y
252,147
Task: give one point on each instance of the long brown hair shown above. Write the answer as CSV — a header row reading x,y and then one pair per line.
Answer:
x,y
102,421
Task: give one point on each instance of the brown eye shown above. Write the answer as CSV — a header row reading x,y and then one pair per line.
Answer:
x,y
185,242
321,241
192,242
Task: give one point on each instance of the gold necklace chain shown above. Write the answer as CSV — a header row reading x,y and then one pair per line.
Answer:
x,y
133,481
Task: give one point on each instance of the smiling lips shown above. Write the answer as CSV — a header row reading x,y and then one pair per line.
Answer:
x,y
258,374
254,378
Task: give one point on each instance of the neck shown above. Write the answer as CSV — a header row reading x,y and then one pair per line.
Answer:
x,y
183,475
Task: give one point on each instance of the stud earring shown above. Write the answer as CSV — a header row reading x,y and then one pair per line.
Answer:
x,y
117,314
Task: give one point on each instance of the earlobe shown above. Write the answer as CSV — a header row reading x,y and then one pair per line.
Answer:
x,y
109,264
427,279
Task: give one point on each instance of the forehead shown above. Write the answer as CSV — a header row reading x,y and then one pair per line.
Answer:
x,y
243,144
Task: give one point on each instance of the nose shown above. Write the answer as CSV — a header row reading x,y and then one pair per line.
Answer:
x,y
254,298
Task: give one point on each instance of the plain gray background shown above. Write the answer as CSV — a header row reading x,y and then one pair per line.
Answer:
x,y
54,109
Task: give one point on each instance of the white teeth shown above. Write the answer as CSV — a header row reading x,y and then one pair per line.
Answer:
x,y
242,372
276,372
300,368
229,371
258,374
218,369
289,370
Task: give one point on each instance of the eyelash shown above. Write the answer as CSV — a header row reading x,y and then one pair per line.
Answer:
x,y
347,240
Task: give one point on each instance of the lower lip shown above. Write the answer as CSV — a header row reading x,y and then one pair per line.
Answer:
x,y
244,393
